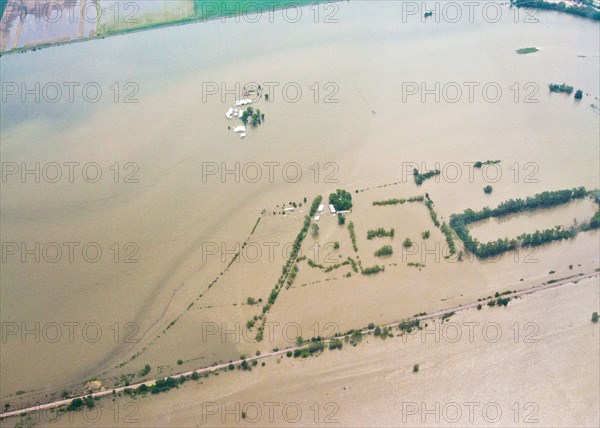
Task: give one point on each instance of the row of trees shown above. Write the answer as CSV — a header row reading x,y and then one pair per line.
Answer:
x,y
400,201
540,200
564,88
459,223
480,164
586,11
420,178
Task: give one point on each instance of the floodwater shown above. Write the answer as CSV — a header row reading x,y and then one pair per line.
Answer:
x,y
574,213
160,210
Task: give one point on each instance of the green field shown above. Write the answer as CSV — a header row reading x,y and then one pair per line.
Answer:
x,y
208,9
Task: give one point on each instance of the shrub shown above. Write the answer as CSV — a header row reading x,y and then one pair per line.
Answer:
x,y
407,326
425,235
373,270
487,189
416,368
407,243
386,250
447,315
179,362
76,404
314,229
335,344
595,317
380,233
145,370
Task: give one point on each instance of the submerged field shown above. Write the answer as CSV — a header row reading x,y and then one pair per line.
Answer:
x,y
529,363
186,227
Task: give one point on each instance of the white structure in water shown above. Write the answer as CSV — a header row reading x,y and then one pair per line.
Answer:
x,y
243,102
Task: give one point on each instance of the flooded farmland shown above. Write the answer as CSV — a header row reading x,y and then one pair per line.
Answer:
x,y
126,197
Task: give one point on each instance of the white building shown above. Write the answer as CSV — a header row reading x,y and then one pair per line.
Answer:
x,y
317,217
320,209
332,208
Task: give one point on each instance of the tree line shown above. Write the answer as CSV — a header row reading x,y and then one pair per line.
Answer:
x,y
459,223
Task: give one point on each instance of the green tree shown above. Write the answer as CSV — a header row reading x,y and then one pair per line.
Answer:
x,y
314,229
595,317
341,200
487,189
